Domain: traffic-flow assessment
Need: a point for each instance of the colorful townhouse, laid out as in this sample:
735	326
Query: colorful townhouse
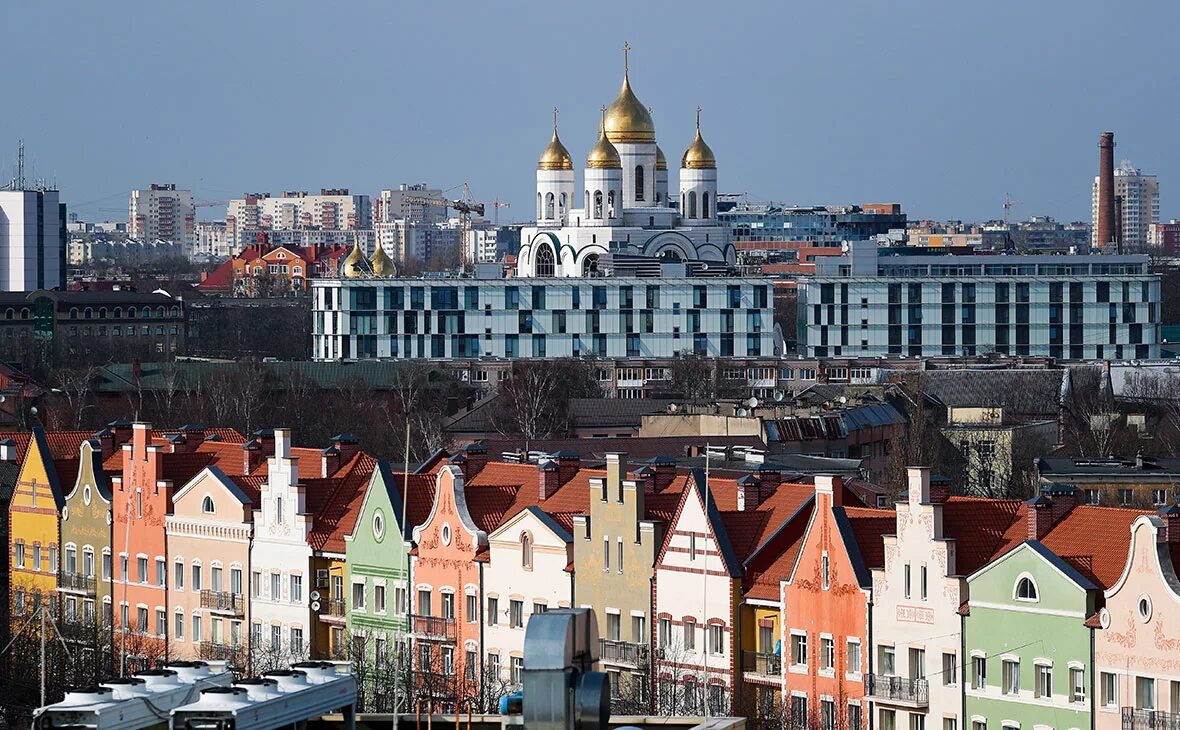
1137	652
1032	621
85	575
702	627
209	532
377	557
9	473
48	467
916	680
826	601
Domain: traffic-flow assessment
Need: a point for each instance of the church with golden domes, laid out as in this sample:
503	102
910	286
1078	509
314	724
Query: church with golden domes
624	212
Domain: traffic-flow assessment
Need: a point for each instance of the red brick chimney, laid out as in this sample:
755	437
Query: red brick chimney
194	433
1040	517
122	431
348	445
830	486
329	461
1171	518
568	464
266	439
252	456
665	471
646	479
477	459
1064	498
940	489
770	476
106	441
548	478
461	462
1106	233
749	495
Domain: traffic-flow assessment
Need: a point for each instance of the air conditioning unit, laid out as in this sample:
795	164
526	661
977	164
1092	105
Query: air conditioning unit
321	578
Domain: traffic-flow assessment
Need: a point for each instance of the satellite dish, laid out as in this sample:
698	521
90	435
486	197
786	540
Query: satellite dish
779	395
742	412
315	595
752	403
315	605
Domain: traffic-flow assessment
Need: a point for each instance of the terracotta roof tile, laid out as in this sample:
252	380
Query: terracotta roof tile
983	529
1094	541
868	527
339	514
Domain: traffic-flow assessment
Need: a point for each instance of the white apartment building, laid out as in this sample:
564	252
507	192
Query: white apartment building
32	240
409	240
334	209
483	245
123	252
211	241
1137	204
162	212
402	204
879	303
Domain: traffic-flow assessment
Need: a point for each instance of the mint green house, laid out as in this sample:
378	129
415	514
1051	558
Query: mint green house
1028	643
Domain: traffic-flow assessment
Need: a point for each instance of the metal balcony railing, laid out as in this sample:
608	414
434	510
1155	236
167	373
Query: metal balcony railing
334	607
899	689
623	652
1138	719
78	582
756	662
432	627
223	601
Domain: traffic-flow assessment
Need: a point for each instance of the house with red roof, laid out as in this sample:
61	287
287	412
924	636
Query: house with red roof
282	268
826	611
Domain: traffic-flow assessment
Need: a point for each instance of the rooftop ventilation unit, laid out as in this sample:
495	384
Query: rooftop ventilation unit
277	699
137	702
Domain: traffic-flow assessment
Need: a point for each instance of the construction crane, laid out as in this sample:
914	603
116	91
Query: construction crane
1009	204
464	206
496	206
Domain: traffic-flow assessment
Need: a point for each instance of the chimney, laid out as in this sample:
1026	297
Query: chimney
122	430
282	443
178	443
1040	517
106	441
646	478
568	464
251	456
477	459
195	434
1106	232
665	469
348	445
770	476
1064	498
940	489
329	461
266	439
460	462
748	493
7	450
548	478
832	486
1171	518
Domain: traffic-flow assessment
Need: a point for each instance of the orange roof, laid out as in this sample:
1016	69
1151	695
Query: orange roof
1094	541
339	512
869	526
983	529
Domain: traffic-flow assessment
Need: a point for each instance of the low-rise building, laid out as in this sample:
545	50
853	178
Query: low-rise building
274	270
997	451
1115	481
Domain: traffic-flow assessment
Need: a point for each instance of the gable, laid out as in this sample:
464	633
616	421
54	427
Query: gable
533	520
1059	587
38	472
380	511
449	511
210	483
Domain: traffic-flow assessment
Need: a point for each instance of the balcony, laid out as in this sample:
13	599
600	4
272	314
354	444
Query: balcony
219	651
761	664
223	602
77	583
432	627
623	652
899	690
1136	719
334	607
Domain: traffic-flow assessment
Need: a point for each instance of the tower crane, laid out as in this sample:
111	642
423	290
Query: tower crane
496	206
1009	204
464	206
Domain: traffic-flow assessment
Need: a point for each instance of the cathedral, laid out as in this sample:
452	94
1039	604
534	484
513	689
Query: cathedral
626	213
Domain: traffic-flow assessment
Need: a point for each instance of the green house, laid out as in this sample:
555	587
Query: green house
1028	639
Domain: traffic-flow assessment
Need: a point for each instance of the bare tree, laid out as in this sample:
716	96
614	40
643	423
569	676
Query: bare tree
533	401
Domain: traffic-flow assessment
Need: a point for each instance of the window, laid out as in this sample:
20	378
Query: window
950	669
471	608
665	632
619	554
178	626
1026	590
690	635
196	577
517	669
297	640
378	598
1044	681
613	626
606	553
526	551
358	596
448	656
825	570
297	589
827	714
854	718
799	650
540	608
716	639
639	182
1011	677
20	555
978	672
516	614
106	566
1077	684
888	720
922	587
917	663
142	620
827	653
799	712
141	570
494	666
1144	693
276	586
906	581
448	606
493	611
1126	496
950	723
196	629
917	721
207	505
854	656
1110	689
178	580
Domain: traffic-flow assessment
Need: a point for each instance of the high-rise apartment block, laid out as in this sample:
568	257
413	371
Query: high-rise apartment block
162	212
405	203
1136	208
32	240
333	209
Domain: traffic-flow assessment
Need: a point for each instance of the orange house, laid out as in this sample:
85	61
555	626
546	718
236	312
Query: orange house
825	635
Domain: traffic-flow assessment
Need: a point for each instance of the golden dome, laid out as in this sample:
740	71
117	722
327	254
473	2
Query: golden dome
555	156
698	156
381	264
627	120
661	161
603	155
352	263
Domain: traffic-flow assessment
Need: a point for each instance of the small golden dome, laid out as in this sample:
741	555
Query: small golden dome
698	156
661	161
555	156
352	264
603	155
381	264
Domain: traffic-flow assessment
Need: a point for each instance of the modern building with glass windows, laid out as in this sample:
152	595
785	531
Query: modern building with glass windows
874	302
374	317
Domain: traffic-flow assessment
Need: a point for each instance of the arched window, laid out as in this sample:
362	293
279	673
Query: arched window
587	206
87	313
683	207
207	505
539	206
639	182
692	204
1026	590
526	551
543	264
549	206
561	208
147	312
590	265
610	203
102	312
704	205
73	312
597	203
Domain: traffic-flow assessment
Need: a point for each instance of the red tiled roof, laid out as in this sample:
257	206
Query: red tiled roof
868	528
781	552
338	515
1094	541
982	529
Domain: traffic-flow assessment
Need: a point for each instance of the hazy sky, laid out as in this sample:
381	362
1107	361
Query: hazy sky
941	106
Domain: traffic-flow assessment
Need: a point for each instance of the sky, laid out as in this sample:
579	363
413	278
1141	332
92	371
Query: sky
941	106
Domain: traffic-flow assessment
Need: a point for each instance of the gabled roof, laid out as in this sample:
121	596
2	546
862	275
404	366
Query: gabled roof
983	529
862	531
772	561
1094	541
339	512
1020	392
703	491
545	519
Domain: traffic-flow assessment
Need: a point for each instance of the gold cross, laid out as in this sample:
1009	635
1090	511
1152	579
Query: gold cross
626	49
554	120
698	117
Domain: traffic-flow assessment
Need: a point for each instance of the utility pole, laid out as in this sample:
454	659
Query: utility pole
41	610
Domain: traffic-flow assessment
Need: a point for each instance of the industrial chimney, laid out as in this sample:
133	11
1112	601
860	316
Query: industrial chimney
1106	231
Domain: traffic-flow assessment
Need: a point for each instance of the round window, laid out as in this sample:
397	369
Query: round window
65	513
446	534
86	494
378	526
1144	608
